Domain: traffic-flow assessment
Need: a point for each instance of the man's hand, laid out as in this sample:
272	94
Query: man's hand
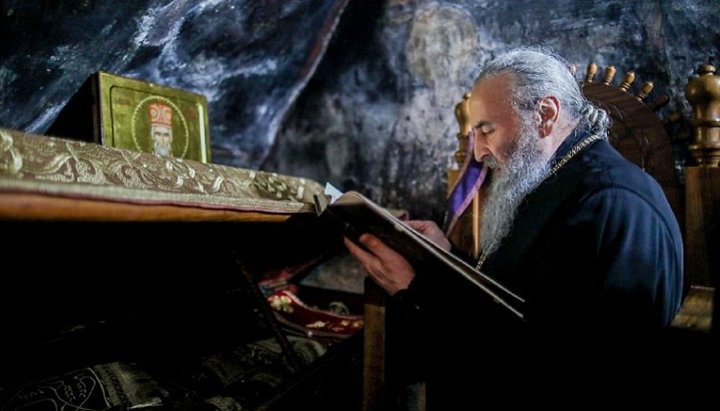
387	268
431	231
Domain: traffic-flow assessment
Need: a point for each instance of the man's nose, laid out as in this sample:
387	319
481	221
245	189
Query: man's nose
480	149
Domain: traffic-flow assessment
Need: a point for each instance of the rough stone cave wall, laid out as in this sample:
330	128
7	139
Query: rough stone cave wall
376	114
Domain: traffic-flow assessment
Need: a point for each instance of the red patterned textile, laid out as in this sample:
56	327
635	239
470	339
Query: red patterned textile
310	321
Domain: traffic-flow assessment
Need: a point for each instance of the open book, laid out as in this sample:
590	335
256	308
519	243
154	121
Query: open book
357	214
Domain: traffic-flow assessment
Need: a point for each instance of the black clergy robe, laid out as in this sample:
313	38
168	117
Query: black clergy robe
595	245
597	254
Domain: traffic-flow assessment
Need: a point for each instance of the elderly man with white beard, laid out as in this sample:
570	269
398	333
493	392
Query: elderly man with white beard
584	236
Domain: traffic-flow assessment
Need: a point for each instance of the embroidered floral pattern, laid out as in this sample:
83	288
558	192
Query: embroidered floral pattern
57	166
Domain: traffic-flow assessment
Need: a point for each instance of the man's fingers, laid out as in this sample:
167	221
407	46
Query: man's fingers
362	255
370	262
368	259
419	225
377	247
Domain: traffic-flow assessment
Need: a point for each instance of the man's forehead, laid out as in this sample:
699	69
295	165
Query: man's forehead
491	94
493	85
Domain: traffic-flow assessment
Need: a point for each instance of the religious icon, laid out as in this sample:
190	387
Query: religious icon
137	115
154	118
157	125
161	128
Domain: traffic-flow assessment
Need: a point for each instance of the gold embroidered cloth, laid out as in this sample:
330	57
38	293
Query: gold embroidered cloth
38	164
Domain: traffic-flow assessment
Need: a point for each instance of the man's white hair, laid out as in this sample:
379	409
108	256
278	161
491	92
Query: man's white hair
539	72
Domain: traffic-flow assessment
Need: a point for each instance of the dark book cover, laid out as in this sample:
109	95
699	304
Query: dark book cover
357	214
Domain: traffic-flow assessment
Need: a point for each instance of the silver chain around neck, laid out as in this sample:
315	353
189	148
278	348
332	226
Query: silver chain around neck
578	147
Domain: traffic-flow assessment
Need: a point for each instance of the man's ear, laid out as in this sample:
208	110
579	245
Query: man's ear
549	114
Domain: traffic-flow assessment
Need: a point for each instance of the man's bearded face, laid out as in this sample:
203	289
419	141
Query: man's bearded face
162	140
513	180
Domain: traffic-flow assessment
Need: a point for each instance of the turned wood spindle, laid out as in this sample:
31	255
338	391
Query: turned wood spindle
645	90
703	94
660	102
462	114
627	81
592	69
609	75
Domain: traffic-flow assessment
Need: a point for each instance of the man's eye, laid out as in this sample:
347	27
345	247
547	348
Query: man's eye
486	129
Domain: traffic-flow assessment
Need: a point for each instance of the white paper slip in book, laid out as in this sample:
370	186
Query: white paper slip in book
332	192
